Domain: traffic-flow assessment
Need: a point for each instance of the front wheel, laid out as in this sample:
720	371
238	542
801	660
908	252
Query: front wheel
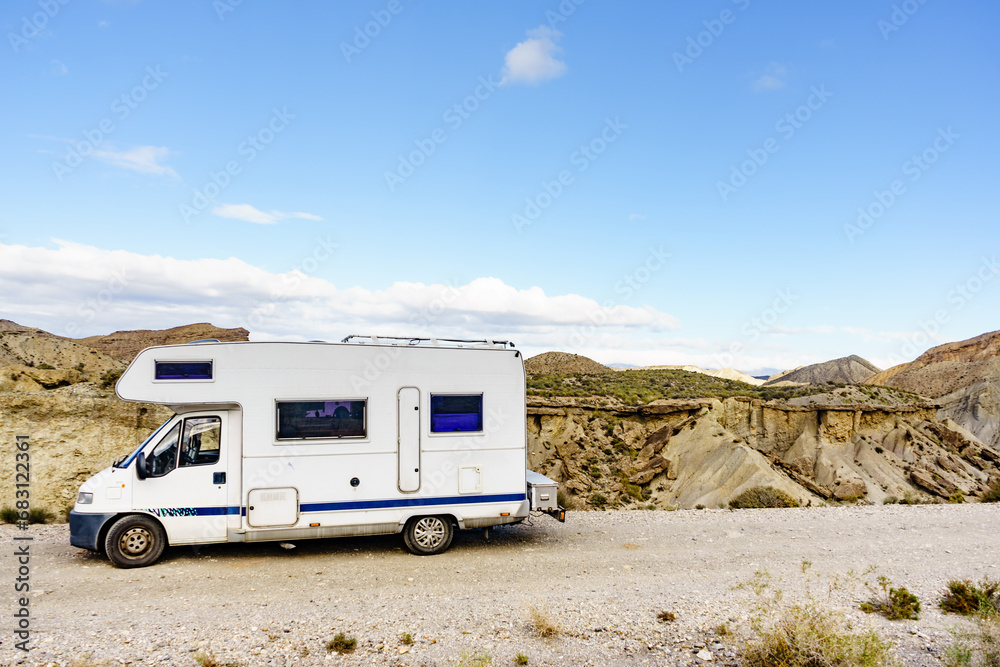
135	541
428	535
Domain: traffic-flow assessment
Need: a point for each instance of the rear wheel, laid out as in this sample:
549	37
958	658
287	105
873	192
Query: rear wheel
428	535
135	541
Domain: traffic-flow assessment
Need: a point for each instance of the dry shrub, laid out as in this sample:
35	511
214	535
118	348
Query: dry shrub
807	636
965	597
763	496
541	624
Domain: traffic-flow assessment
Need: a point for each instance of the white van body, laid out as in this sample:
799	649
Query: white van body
284	441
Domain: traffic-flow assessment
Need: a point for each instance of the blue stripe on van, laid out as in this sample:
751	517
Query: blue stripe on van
353	505
410	502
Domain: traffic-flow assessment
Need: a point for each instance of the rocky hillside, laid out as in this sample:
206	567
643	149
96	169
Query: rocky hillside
684	453
964	377
60	393
850	370
563	362
124	345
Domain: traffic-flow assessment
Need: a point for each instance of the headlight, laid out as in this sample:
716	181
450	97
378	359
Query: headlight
84	498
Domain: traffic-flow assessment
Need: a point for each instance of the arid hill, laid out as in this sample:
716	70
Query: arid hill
964	377
849	370
124	345
563	363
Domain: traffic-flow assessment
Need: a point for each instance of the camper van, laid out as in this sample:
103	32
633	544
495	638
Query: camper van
287	441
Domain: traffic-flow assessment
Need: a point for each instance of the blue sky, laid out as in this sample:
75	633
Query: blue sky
646	184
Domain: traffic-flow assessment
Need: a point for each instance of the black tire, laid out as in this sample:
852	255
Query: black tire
428	535
135	540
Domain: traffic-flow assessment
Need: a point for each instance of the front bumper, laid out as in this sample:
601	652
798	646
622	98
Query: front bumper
85	529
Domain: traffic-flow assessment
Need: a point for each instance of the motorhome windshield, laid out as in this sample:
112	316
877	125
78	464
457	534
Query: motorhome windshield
124	461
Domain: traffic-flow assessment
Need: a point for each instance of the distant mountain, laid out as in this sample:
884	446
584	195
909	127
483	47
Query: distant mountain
563	363
850	370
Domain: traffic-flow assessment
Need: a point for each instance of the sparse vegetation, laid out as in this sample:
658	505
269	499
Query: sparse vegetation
521	659
541	624
896	604
209	660
598	500
341	643
405	638
666	617
966	598
806	635
9	515
45	367
40	515
979	647
763	496
109	378
993	495
637	387
475	659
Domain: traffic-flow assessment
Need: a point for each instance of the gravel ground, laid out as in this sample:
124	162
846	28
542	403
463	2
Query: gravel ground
602	577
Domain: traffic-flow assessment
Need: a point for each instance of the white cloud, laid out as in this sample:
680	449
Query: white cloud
144	159
637	216
78	290
58	68
248	213
534	60
771	79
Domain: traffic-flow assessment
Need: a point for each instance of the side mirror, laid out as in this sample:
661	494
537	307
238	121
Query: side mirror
140	466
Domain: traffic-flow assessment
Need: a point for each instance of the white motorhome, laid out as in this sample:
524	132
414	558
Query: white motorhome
285	441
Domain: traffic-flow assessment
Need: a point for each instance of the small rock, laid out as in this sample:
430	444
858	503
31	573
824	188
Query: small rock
705	655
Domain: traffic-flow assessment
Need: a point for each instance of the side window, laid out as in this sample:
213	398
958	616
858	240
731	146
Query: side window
163	458
200	444
305	420
456	412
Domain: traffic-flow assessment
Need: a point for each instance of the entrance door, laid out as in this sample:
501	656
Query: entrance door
186	485
408	439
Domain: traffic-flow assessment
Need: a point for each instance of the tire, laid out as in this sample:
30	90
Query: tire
428	535
135	540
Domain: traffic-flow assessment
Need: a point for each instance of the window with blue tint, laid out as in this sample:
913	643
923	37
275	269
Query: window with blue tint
306	420
183	370
456	412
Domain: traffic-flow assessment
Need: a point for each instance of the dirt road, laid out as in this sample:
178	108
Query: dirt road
602	577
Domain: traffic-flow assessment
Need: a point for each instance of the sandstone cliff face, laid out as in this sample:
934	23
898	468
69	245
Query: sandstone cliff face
679	453
964	377
74	432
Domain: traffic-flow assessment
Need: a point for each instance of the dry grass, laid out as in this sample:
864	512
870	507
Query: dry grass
541	624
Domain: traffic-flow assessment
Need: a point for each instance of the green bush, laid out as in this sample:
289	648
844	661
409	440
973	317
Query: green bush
965	597
45	367
763	496
109	378
993	495
598	500
896	604
40	515
9	515
342	643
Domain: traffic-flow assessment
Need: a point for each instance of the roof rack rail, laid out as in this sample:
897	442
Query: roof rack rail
364	339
